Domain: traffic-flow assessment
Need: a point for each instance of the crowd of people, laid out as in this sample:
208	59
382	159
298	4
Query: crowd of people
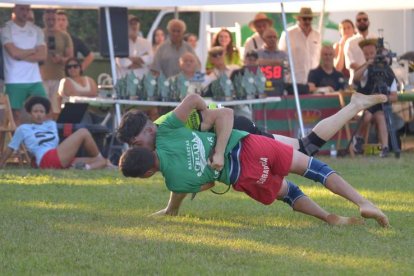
41	70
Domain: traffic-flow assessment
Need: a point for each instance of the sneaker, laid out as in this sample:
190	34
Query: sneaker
357	144
384	152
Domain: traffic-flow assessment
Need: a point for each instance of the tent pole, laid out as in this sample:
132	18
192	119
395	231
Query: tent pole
112	59
321	18
292	72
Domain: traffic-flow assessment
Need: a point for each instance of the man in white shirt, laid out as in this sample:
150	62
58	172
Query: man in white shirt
354	57
23	48
140	52
305	45
259	24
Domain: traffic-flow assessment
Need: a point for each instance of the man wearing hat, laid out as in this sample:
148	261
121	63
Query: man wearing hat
259	24
354	57
140	52
305	45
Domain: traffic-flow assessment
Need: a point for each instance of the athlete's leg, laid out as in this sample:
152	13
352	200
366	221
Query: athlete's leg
316	170
69	147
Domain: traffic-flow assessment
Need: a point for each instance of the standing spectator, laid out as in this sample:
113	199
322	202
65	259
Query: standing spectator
306	45
224	39
325	77
269	54
140	52
60	49
166	60
78	45
191	39
367	85
354	57
346	30
259	24
158	37
24	47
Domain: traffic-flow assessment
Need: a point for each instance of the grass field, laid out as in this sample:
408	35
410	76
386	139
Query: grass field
78	222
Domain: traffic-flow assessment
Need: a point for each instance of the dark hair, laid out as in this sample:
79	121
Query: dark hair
37	100
188	35
77	61
230	48
252	53
135	162
347	21
132	123
155	33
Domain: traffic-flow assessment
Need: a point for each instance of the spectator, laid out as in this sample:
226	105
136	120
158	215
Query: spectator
79	47
216	55
24	47
231	54
158	37
269	54
325	78
60	49
42	140
250	62
166	60
306	45
75	83
354	57
367	85
191	39
259	24
140	52
346	30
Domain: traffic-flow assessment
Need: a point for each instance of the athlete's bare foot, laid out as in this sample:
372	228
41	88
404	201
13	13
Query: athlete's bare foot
365	101
369	210
333	219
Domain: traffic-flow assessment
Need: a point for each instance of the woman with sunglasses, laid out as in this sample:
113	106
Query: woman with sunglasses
224	39
75	83
41	139
346	30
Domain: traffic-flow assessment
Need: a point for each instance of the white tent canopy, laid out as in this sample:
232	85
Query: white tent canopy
227	5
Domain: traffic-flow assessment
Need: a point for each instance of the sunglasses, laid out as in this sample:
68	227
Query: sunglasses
72	66
307	18
362	19
214	55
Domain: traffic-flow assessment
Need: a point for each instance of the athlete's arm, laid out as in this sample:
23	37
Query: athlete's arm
190	102
175	201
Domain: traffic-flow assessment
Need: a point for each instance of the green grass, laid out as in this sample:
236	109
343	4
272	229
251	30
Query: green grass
78	222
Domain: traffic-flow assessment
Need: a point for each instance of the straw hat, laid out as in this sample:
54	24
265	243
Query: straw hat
260	17
366	42
305	13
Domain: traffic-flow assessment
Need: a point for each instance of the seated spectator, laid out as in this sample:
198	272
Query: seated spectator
269	54
158	37
191	39
346	30
325	78
217	58
250	62
42	140
166	60
75	83
140	52
224	39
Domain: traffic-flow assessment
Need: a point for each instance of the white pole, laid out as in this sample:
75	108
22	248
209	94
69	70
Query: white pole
322	16
112	59
292	72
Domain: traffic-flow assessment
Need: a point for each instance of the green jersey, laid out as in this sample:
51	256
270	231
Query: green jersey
183	154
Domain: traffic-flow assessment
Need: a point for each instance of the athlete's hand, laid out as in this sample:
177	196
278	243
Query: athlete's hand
216	161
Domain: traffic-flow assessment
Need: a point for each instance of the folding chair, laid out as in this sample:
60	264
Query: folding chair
7	128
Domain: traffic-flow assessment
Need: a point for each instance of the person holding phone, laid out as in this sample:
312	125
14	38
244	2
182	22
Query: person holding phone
60	49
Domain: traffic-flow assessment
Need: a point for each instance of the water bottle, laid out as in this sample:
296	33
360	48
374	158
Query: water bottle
333	151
